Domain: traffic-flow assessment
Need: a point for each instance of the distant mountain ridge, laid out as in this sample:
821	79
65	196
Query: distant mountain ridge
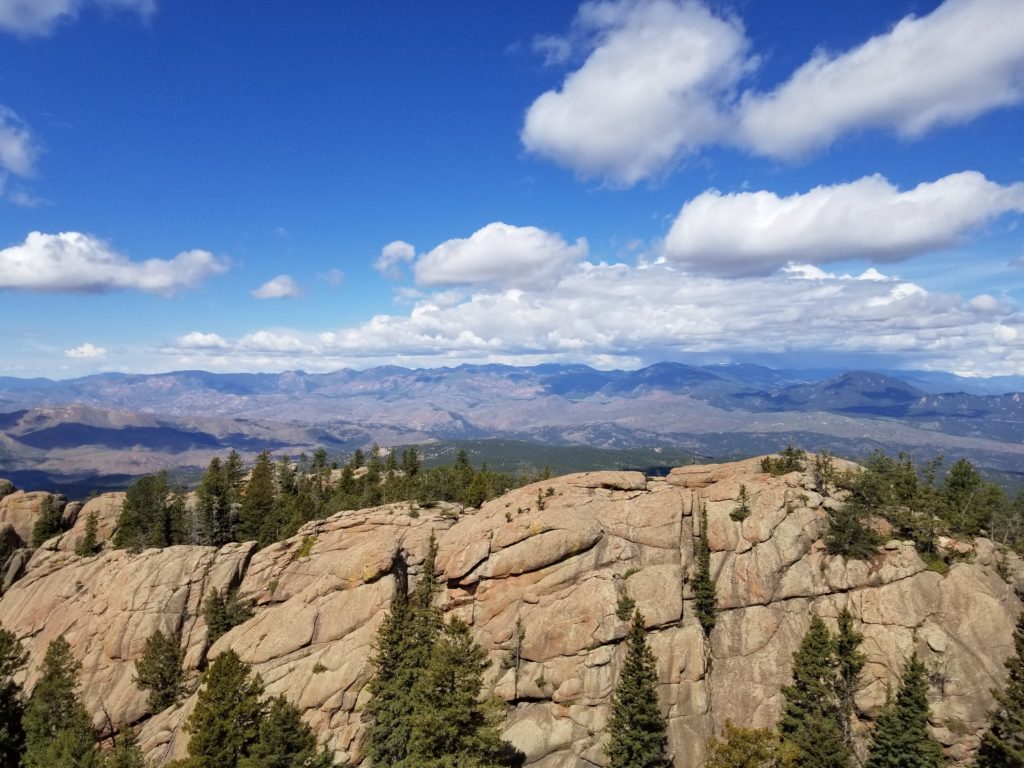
124	424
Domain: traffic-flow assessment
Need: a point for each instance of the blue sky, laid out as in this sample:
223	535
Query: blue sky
269	186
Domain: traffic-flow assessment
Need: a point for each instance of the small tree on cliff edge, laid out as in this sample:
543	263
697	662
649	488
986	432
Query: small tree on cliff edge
705	599
1002	746
12	704
637	733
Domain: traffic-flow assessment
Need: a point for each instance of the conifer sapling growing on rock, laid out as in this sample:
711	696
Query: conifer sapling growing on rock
159	671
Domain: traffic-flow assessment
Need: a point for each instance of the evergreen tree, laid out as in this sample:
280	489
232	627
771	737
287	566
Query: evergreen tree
12	705
849	664
222	611
1002	746
50	521
637	736
152	515
259	500
403	646
58	730
213	502
745	748
159	671
125	752
847	534
900	738
234	477
87	545
284	740
450	728
741	511
705	599
226	720
811	722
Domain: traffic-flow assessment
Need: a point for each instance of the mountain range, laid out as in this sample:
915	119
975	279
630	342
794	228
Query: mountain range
106	428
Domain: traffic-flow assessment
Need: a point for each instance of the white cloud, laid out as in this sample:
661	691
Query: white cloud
199	340
392	257
40	17
618	313
663	79
963	59
18	150
86	351
749	233
72	261
333	277
280	287
649	91
500	254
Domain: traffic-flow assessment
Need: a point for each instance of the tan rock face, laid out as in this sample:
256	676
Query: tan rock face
559	556
21	509
106	507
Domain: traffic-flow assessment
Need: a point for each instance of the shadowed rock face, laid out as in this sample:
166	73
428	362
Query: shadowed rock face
557	555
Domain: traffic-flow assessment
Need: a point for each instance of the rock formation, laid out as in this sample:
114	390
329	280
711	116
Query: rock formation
559	555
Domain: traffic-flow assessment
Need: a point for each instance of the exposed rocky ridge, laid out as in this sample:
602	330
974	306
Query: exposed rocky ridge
557	555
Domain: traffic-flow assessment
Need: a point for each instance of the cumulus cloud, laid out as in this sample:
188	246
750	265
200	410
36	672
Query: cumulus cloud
618	313
199	340
500	254
392	257
650	90
41	17
963	59
72	261
663	78
749	233
86	351
280	287
18	150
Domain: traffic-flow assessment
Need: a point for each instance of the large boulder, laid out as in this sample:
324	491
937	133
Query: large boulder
558	556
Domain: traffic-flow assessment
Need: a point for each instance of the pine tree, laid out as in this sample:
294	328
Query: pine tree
450	727
284	740
705	599
87	545
900	738
234	477
637	736
152	515
213	502
222	611
849	664
811	722
741	511
258	503
847	533
125	752
226	720
12	705
159	671
50	521
58	730
1002	746
405	640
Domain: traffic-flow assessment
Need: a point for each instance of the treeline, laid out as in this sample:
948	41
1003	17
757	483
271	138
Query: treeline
271	500
921	502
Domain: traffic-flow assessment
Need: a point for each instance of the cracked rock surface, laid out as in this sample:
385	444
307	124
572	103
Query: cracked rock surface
559	555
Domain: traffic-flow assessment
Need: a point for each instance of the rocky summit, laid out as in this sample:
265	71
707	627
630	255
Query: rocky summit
561	557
